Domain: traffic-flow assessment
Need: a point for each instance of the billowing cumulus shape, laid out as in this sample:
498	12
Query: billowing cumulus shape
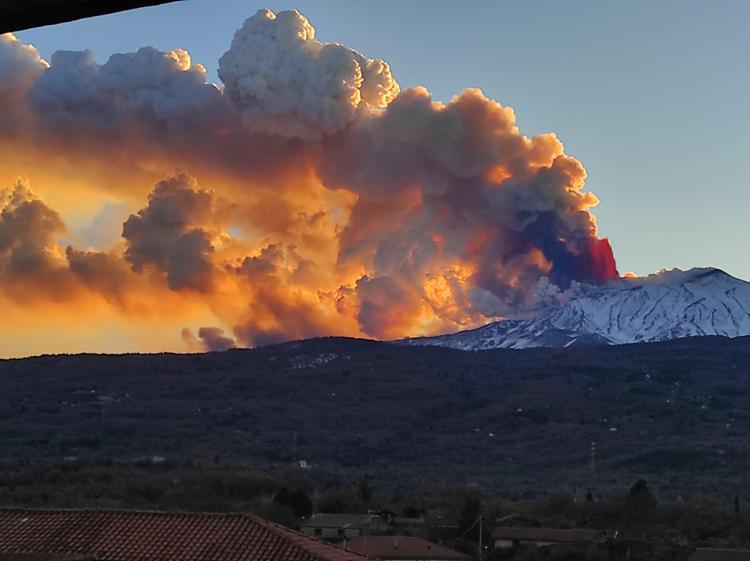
147	88
338	204
27	231
211	339
20	67
383	303
457	204
286	82
190	264
20	64
167	234
105	274
282	307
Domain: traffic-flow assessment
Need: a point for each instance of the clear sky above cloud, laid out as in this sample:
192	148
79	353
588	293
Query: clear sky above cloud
650	96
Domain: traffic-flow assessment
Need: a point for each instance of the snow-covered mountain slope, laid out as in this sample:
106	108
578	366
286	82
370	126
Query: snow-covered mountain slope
666	305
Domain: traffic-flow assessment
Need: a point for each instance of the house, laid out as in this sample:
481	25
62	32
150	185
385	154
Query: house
338	527
517	520
407	524
403	548
508	537
711	554
121	535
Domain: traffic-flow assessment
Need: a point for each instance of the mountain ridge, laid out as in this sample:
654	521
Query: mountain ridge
676	413
666	305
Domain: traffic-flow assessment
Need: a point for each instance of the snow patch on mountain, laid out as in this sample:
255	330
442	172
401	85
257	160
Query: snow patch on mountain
666	305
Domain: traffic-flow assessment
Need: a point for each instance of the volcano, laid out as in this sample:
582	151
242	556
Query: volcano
666	305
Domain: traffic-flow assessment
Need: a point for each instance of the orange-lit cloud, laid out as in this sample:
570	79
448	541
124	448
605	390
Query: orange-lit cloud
308	196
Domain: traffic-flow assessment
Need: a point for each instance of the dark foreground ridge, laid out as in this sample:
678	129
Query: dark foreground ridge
519	422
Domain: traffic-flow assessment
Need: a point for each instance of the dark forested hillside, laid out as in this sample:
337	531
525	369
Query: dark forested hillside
514	422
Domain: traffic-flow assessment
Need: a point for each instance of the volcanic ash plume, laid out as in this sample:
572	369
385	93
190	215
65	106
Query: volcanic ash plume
308	196
170	234
286	82
210	339
27	232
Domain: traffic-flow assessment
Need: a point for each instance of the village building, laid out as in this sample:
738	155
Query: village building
120	535
339	527
408	525
714	554
404	548
517	520
508	537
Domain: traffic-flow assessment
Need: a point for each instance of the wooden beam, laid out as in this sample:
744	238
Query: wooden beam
16	15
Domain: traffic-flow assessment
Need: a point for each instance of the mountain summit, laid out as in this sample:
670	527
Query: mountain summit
665	305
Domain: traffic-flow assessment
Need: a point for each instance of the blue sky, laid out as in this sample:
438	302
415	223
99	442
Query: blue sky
650	96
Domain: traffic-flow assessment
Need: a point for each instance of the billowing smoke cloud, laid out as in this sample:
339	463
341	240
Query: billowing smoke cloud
384	302
20	64
211	339
277	282
286	82
356	208
20	67
457	195
169	234
149	88
28	252
105	274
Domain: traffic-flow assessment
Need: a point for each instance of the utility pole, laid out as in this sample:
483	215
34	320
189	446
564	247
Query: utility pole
479	545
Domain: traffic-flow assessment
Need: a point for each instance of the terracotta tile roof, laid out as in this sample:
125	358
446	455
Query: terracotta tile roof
516	519
119	535
323	520
403	547
42	557
557	535
709	554
407	521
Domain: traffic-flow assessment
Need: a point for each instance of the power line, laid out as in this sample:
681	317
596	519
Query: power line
469	529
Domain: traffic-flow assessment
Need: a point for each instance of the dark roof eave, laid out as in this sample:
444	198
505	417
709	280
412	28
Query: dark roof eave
17	15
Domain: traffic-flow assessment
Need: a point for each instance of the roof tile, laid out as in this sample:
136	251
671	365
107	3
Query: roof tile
559	535
711	554
404	547
118	535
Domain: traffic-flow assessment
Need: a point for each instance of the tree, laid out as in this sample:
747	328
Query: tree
640	490
411	511
641	502
365	490
300	503
282	496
